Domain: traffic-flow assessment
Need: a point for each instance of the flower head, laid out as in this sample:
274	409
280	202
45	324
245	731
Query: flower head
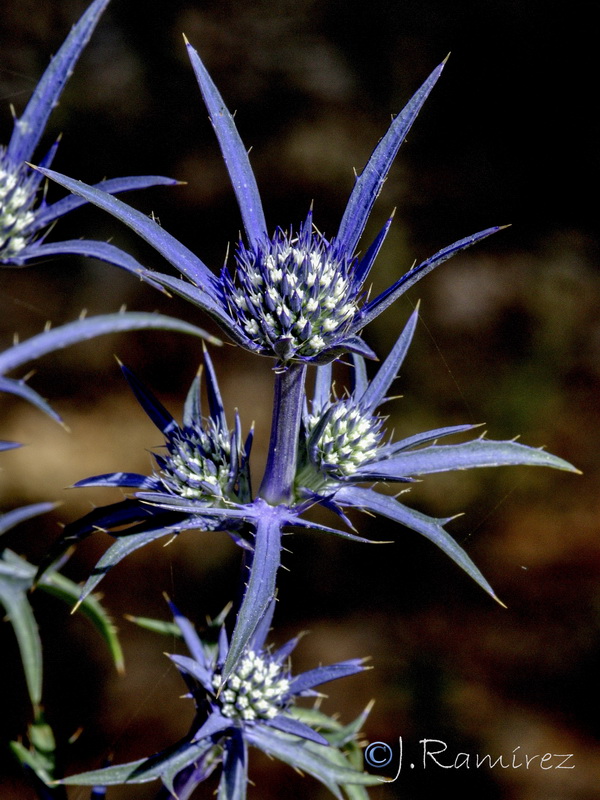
296	295
342	446
25	216
255	706
17	195
343	438
201	480
203	460
293	295
255	690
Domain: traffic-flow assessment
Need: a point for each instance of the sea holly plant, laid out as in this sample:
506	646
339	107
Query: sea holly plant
25	216
201	482
301	298
256	706
297	297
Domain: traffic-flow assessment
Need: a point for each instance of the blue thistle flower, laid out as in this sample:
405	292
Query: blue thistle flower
25	217
204	460
295	296
343	445
204	471
254	706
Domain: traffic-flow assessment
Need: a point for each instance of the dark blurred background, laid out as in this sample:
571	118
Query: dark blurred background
509	336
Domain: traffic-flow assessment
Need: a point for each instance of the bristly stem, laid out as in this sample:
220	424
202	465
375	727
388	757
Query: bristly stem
277	484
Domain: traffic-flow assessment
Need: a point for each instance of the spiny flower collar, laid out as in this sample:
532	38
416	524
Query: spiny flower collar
205	462
201	480
25	216
342	446
260	690
294	296
254	707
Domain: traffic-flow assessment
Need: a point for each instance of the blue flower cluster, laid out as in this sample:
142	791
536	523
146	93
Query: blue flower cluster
295	296
255	706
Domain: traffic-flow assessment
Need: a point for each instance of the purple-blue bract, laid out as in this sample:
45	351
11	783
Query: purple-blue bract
25	216
342	446
81	330
295	296
254	706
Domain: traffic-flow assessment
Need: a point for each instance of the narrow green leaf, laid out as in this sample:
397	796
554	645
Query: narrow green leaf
68	591
31	759
20	615
165	627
